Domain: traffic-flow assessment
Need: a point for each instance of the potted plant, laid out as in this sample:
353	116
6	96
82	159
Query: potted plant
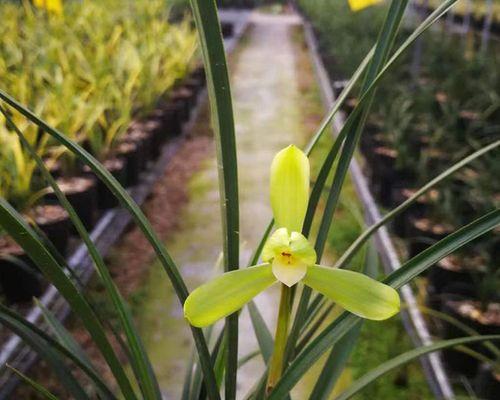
22	188
479	309
20	281
487	382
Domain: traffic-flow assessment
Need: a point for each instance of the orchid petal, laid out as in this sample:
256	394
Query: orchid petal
355	292
290	188
302	249
278	242
226	294
286	273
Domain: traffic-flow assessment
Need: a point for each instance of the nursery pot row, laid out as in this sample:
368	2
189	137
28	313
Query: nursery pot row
20	280
451	284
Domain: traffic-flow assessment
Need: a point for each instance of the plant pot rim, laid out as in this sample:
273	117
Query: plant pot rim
9	247
431	195
44	214
75	184
126	147
471	309
427	224
455	263
387	151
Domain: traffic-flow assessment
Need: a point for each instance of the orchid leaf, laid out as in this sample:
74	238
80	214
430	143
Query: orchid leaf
38	388
226	294
355	292
290	188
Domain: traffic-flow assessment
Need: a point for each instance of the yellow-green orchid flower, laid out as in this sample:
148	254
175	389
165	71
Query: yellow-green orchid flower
288	257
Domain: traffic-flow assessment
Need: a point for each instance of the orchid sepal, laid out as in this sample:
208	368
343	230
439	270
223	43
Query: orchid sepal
289	188
355	292
226	294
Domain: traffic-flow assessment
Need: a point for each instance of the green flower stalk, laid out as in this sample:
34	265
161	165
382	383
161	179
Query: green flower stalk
288	257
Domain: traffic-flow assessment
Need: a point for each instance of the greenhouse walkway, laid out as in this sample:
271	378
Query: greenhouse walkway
268	117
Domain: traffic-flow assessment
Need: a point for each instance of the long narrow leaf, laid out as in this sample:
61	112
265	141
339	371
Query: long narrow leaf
53	359
356	245
432	18
34	385
63	335
325	123
212	46
21	232
139	359
404	358
127	202
382	48
20	326
460	325
264	337
188	378
350	131
335	364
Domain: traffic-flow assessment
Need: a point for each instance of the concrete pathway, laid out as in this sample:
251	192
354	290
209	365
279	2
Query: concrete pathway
267	113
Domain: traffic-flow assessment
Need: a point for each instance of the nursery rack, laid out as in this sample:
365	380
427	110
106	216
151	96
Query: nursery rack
107	232
413	320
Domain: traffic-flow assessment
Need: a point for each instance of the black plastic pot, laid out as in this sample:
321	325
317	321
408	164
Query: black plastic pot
402	225
172	118
185	99
54	167
349	105
384	177
227	29
487	383
195	84
158	136
372	139
436	159
425	232
105	198
338	87
467	119
455	269
199	73
144	142
452	291
370	143
440	103
81	192
456	361
132	156
19	279
466	312
54	222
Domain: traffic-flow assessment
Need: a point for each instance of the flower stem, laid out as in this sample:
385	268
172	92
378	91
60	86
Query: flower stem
276	366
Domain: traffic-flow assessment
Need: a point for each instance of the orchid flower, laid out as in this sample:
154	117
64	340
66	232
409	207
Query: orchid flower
288	257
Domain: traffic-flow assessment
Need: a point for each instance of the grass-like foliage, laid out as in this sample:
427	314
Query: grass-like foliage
290	251
92	69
